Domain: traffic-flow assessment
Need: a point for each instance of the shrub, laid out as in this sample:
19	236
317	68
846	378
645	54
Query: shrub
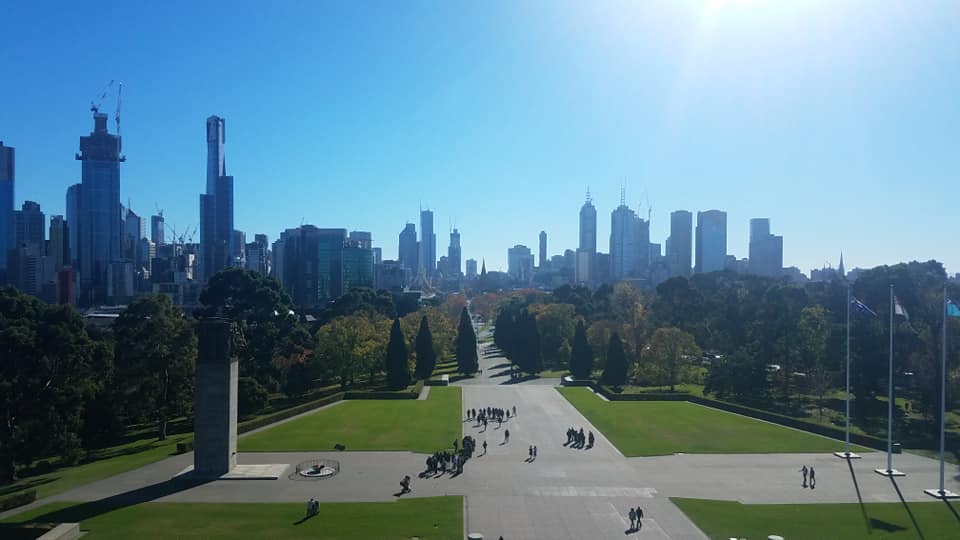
251	396
18	499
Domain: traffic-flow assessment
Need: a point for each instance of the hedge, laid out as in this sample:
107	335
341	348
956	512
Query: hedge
19	498
759	414
387	394
256	423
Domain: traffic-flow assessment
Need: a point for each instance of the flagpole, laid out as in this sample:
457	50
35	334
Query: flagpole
890	471
846	447
943	383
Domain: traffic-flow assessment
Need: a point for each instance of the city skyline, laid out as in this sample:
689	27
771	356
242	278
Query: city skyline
826	169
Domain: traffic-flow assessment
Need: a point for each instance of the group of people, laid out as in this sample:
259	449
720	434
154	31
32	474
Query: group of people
636	515
490	414
313	507
811	474
576	439
533	453
445	460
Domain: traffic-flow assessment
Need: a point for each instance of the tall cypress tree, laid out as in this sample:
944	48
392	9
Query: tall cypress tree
581	357
398	371
466	346
531	332
615	373
426	357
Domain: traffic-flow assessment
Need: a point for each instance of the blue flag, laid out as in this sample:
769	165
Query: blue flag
861	307
953	310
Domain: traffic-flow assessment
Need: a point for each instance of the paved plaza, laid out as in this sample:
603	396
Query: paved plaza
564	494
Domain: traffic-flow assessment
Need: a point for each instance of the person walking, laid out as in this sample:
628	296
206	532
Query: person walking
813	478
484	446
804	471
530	451
405	485
534	451
633	518
514	410
506	436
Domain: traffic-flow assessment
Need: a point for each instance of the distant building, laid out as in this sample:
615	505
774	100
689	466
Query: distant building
258	255
711	241
428	243
391	275
29	226
629	244
357	261
156	229
73	221
766	250
453	267
733	264
587	252
471	268
408	252
679	245
794	275
59	248
216	205
308	261
7	180
520	263
239	246
543	249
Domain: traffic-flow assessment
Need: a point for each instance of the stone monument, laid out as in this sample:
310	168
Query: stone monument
215	400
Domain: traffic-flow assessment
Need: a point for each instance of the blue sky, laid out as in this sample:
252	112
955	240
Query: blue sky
838	120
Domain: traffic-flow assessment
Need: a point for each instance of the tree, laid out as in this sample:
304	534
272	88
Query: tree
670	349
426	357
398	368
556	325
156	353
615	372
45	372
466	346
348	347
265	314
252	397
581	358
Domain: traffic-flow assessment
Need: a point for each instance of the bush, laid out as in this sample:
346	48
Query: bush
184	447
406	393
252	397
18	499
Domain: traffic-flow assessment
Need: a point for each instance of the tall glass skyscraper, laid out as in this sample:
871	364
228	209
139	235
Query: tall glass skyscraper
453	254
6	204
216	204
408	250
680	248
711	241
428	243
100	230
586	258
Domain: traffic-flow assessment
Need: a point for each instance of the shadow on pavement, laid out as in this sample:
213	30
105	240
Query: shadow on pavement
88	510
863	509
907	508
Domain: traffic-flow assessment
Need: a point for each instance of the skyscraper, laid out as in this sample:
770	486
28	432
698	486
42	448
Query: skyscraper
73	221
408	250
711	241
623	242
309	262
59	242
471	268
520	263
543	249
29	225
216	205
7	178
680	244
156	229
428	243
587	252
453	255
358	260
100	230
766	250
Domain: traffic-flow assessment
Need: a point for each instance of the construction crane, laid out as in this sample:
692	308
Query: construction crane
116	117
190	234
97	101
159	210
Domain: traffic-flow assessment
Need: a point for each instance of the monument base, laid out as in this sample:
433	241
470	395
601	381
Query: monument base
889	472
846	455
243	472
945	494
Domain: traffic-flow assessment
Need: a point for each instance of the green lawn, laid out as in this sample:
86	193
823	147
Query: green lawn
424	518
650	428
721	520
418	426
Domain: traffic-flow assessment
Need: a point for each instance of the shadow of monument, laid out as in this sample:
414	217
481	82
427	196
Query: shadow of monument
518	380
88	510
501	365
885	525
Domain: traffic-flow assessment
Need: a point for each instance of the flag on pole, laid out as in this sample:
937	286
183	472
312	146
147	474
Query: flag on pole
953	310
899	310
861	307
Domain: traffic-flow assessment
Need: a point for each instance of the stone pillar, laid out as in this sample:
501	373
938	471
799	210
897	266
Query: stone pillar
215	403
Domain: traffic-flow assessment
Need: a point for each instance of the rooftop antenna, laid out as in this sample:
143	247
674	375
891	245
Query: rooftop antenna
623	195
588	193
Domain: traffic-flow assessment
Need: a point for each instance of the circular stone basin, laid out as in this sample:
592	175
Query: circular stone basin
318	472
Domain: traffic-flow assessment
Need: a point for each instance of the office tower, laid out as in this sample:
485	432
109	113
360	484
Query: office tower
133	231
358	260
7	178
239	244
408	250
629	243
73	222
471	268
377	255
711	241
453	266
156	229
28	226
428	243
216	205
766	250
59	251
543	249
680	243
100	228
520	263
25	259
587	252
258	255
309	264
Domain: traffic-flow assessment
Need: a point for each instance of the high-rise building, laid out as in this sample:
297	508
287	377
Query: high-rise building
453	255
216	204
239	243
543	249
100	228
258	255
711	241
408	250
471	268
629	243
520	263
59	251
766	250
73	221
680	243
358	261
7	179
428	243
156	229
29	225
587	252
309	263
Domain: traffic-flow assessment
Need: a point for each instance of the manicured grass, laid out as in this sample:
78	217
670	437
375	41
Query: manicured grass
425	518
650	428
873	521
419	426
